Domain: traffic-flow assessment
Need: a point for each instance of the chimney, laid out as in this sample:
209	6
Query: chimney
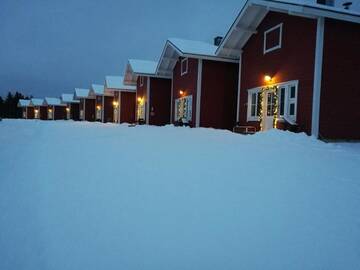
217	40
326	2
347	5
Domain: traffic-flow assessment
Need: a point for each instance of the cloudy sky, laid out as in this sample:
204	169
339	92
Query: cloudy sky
49	47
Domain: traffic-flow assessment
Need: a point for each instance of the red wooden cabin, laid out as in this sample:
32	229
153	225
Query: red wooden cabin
72	107
27	109
124	101
298	67
153	92
103	103
55	109
87	104
204	86
40	110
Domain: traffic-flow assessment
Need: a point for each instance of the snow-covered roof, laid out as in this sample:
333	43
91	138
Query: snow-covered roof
175	48
24	103
136	67
193	46
117	83
143	66
50	101
37	102
68	98
97	89
254	11
81	93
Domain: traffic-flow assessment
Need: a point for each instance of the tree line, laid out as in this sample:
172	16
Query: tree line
9	105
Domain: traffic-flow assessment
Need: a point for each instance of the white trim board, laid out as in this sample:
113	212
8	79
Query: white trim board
315	119
198	94
239	91
147	106
265	51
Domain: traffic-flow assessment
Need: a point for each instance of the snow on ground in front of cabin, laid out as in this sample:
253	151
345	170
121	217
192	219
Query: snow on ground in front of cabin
104	196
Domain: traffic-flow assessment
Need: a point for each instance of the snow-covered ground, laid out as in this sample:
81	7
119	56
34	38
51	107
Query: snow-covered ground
103	196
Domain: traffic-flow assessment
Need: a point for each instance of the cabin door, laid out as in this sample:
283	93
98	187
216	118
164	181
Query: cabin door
268	110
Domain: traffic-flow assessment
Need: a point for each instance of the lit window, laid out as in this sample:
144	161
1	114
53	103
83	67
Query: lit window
287	102
183	109
184	66
272	38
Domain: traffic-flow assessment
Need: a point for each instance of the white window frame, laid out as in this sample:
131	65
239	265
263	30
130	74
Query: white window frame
250	93
280	25
141	80
186	61
188	112
287	101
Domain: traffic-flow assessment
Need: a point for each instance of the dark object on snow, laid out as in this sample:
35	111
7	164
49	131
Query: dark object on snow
286	125
246	130
180	123
141	121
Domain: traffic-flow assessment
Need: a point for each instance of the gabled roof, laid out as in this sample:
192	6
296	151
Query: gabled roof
254	11
24	103
136	67
97	89
175	48
81	93
36	102
68	98
117	83
49	101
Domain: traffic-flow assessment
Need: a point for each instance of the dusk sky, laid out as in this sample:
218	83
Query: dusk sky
49	47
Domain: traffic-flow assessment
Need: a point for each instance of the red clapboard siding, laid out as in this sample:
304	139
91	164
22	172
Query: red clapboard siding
30	113
43	113
59	112
127	107
340	92
160	101
90	110
219	94
75	111
108	109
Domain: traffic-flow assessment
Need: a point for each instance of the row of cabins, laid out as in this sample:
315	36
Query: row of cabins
112	102
282	64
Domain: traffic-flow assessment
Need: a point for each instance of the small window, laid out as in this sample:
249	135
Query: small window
292	91
254	106
282	101
272	38
270	104
292	101
184	66
141	80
